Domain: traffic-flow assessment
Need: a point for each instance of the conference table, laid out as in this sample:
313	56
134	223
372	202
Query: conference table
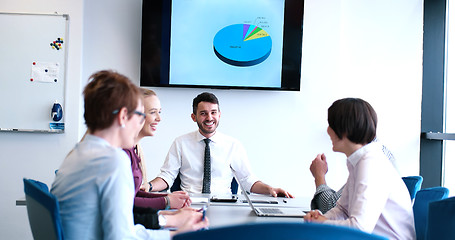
232	213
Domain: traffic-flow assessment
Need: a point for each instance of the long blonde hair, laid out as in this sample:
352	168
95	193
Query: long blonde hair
146	93
142	164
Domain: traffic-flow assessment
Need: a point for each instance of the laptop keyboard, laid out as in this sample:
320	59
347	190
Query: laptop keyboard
270	210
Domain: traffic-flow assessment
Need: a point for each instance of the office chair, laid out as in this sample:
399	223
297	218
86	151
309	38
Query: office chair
422	200
177	182
441	220
176	185
414	183
43	211
279	230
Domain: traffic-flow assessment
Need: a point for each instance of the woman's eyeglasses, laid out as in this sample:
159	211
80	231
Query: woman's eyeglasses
135	112
141	114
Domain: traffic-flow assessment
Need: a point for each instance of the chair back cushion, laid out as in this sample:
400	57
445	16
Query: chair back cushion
422	200
413	183
441	220
43	211
176	185
279	230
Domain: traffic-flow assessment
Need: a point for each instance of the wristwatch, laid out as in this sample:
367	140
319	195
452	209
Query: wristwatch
168	202
161	220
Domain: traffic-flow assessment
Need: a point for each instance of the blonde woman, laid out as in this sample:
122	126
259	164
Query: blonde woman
146	203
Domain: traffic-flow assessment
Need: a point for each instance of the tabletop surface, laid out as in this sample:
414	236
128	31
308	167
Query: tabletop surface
228	213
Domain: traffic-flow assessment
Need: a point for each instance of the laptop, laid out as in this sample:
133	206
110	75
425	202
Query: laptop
271	211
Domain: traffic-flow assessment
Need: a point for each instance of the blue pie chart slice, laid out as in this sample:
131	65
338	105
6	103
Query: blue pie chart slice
242	45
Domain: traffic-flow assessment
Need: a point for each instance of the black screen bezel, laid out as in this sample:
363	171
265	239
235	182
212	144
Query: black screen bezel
156	39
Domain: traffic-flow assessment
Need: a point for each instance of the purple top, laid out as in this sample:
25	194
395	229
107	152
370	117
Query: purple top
142	198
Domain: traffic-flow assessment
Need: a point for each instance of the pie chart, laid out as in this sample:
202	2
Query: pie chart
242	45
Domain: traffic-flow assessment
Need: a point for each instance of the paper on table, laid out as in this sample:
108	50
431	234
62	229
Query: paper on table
199	199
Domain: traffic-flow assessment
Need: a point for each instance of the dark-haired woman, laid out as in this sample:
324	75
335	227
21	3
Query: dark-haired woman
375	199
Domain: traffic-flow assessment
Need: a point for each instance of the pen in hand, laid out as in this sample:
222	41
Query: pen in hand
203	210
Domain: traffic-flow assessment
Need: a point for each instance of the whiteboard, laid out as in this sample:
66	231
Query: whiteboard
32	70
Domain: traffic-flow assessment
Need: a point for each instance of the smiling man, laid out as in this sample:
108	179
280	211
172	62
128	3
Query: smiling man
204	158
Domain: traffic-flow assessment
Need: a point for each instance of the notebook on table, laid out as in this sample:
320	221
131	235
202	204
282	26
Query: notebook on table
270	211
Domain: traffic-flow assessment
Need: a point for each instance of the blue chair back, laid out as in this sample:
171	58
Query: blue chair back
43	211
421	203
414	183
441	220
279	230
176	185
177	182
234	186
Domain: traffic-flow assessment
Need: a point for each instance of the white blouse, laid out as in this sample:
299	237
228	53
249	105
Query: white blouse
375	199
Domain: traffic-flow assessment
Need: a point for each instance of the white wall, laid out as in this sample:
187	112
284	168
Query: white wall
352	48
355	48
38	155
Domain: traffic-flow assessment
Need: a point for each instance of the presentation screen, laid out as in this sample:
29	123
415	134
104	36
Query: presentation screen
238	44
